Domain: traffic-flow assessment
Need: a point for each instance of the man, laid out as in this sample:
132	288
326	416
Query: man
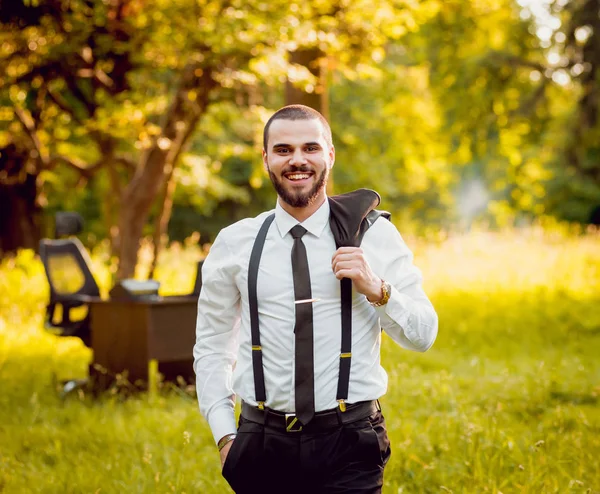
269	329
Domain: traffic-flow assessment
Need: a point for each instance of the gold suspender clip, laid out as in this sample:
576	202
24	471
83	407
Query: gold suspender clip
342	402
260	404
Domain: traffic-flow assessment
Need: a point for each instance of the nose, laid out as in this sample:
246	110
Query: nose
297	157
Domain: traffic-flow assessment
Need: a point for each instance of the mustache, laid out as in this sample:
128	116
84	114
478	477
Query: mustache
297	169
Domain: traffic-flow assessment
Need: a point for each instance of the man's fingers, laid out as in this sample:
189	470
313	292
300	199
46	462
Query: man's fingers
345	257
347	251
350	262
346	273
345	265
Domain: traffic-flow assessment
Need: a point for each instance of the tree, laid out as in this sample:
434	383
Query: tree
101	67
518	92
114	92
59	66
574	188
20	222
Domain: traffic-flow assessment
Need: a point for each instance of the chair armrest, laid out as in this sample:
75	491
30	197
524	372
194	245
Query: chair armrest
67	302
85	299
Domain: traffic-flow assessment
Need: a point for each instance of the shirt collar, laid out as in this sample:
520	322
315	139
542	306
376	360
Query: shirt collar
314	224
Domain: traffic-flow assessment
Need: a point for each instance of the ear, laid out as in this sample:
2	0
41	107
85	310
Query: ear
331	156
265	164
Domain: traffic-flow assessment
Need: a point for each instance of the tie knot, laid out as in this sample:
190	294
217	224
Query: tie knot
298	231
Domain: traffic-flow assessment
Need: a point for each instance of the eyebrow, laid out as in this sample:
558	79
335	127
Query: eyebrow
282	145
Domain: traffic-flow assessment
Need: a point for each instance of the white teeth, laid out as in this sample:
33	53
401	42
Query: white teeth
298	176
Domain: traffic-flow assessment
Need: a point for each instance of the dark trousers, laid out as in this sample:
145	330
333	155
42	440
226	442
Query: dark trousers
349	458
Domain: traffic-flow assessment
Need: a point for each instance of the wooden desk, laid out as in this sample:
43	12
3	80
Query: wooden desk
127	334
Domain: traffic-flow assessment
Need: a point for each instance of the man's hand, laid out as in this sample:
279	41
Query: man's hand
350	262
224	452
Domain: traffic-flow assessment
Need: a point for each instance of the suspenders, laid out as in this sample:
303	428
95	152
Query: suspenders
257	362
346	351
346	313
346	297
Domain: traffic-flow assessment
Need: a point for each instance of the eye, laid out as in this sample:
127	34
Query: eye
282	150
312	148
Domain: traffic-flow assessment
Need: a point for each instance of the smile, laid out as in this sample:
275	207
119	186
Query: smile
298	176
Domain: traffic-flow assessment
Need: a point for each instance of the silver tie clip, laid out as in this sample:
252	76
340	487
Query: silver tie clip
307	300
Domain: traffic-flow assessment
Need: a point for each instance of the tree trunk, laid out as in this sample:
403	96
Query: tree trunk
20	216
313	59
156	164
20	221
111	207
162	221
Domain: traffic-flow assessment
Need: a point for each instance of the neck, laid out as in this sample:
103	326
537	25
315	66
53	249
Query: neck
302	214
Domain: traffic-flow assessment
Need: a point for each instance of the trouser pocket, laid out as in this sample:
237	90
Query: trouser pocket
377	422
243	464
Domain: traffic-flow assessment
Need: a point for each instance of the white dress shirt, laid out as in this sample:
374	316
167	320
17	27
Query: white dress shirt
222	354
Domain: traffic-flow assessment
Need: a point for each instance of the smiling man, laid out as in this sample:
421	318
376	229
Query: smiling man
290	319
298	166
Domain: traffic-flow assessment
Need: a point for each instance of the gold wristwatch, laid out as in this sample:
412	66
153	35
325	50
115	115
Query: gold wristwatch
386	289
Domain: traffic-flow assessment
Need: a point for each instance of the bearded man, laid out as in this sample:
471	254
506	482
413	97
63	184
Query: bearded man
290	317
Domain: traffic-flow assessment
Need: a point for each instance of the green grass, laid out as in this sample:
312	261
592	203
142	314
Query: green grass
506	401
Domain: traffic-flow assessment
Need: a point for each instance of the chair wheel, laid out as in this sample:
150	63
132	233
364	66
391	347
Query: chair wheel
72	385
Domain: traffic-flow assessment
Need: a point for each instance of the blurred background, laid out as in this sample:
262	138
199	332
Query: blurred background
146	117
477	121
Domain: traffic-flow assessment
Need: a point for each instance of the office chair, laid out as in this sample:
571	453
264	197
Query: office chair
66	263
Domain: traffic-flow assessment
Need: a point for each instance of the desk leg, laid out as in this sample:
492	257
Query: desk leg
119	343
183	368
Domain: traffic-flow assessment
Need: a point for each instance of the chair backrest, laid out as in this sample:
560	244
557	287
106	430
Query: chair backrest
67	223
67	266
198	282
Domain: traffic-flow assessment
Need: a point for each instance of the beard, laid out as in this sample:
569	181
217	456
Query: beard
300	199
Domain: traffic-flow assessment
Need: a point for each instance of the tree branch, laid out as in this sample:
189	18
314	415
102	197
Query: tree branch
30	130
80	166
516	60
528	105
104	79
74	163
64	106
129	163
79	94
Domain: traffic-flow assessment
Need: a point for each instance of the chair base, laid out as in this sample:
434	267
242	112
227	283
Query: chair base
178	373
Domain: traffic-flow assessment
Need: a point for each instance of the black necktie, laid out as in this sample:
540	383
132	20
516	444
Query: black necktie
305	387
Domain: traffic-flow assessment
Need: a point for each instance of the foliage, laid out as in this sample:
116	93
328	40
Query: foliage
505	401
391	145
456	112
516	85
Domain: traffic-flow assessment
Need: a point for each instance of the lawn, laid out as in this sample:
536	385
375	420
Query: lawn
507	400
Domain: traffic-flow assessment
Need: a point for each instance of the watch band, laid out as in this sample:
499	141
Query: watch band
224	440
386	289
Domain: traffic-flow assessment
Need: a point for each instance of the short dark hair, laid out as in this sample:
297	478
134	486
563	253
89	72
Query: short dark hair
297	112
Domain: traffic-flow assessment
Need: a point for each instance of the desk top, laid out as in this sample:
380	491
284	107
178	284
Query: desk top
154	300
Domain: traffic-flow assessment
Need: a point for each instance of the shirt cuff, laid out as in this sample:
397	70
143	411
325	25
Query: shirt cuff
395	311
222	422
